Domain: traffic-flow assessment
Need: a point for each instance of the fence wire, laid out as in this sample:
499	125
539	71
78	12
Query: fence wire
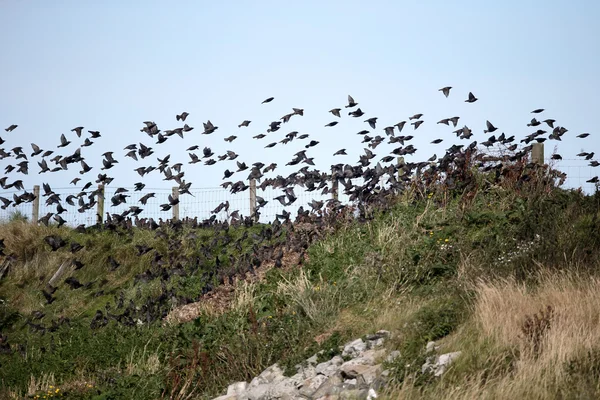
202	203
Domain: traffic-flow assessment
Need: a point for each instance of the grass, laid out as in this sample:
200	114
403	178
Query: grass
472	267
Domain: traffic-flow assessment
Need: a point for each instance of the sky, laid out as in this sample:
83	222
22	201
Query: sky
111	65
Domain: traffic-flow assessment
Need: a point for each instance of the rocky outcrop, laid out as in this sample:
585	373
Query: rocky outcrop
357	373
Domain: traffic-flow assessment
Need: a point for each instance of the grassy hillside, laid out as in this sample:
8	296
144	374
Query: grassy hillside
503	268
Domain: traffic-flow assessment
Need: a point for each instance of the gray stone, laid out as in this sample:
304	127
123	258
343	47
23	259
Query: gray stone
311	385
227	397
237	388
353	349
330	367
312	360
272	374
437	365
332	386
369	376
445	360
430	347
378	335
369	357
349	384
371	344
354	394
392	356
351	371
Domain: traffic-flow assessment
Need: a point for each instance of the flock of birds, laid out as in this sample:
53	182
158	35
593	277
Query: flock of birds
310	179
377	178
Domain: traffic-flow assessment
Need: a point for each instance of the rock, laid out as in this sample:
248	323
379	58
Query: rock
358	378
311	385
369	376
332	386
354	348
272	374
312	360
237	388
378	335
227	397
349	384
354	394
369	357
330	367
350	370
392	356
445	360
306	372
431	347
437	365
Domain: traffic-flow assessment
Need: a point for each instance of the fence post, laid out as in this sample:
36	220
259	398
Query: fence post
335	185
100	204
35	213
253	199
175	193
401	165
537	153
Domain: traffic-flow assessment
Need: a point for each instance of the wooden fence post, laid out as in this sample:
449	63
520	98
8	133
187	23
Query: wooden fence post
335	185
401	165
100	204
35	212
253	199
537	153
175	194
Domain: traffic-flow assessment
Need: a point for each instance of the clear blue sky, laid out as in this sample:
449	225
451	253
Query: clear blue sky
110	65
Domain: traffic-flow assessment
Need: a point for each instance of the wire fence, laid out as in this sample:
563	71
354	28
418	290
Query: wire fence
80	208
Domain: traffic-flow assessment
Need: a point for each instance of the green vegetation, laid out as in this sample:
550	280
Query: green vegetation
473	268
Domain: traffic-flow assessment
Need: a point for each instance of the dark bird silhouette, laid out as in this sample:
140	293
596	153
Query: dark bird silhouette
583	135
11	128
77	130
244	123
270	99
336	112
55	242
372	121
417	124
333	123
351	102
63	141
490	127
356	113
182	116
445	90
73	283
537	111
471	99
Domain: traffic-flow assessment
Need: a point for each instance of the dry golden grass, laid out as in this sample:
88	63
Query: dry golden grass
497	326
